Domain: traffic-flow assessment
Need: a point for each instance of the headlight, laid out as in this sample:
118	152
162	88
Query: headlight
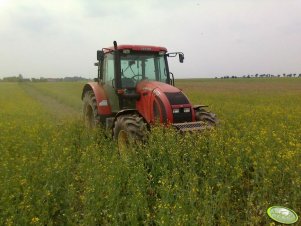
175	110
186	110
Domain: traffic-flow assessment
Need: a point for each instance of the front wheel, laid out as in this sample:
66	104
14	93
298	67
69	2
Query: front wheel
129	129
205	116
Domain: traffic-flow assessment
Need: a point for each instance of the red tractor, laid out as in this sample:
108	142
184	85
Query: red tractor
135	89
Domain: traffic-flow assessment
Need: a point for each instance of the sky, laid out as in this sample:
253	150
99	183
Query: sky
59	38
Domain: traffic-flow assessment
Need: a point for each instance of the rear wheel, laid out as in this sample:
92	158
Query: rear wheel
90	112
205	116
128	130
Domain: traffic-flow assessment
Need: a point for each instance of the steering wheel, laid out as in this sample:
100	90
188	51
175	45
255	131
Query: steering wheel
136	77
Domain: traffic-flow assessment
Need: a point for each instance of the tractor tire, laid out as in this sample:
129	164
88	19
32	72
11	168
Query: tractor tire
129	130
207	117
90	112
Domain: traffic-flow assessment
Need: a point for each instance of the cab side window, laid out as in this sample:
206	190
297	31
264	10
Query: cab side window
108	68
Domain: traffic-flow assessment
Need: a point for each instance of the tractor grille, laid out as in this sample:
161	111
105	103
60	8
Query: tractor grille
190	126
177	98
182	116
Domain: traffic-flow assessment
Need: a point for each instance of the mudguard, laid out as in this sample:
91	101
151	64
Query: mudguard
103	105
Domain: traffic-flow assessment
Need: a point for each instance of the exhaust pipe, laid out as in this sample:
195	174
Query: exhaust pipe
115	45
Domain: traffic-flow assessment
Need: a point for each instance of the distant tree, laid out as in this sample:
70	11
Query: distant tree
11	79
42	79
22	79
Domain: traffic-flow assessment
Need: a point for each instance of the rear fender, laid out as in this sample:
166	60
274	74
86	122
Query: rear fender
103	106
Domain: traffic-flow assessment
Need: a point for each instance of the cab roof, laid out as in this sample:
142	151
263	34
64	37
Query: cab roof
137	48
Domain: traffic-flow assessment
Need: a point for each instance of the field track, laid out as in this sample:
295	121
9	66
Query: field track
56	108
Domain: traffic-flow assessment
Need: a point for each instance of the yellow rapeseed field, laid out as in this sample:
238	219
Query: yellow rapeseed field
56	172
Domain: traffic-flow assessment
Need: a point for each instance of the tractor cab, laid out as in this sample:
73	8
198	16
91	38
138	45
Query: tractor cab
122	67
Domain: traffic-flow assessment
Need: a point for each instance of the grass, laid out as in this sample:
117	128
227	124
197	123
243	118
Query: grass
62	174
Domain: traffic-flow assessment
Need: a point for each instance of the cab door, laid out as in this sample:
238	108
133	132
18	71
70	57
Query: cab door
109	82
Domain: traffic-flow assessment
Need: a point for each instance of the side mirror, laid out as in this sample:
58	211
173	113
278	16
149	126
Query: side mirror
96	64
100	55
181	57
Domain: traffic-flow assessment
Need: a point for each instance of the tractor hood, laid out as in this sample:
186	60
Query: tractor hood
147	85
159	98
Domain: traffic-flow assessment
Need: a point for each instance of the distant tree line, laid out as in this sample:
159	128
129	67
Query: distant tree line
20	78
262	76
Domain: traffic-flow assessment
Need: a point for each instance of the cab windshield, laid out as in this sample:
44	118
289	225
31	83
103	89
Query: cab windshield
140	66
